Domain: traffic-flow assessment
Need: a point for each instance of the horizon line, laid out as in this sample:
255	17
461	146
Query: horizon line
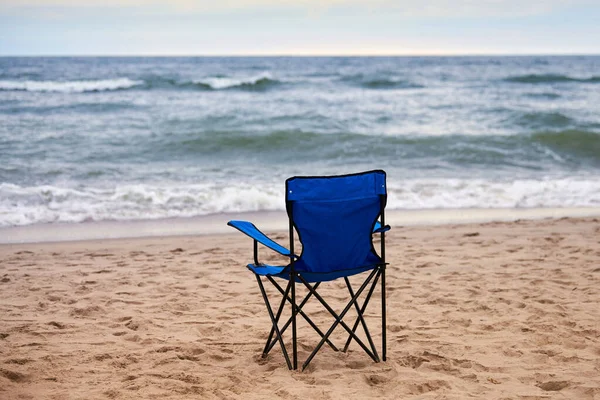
324	55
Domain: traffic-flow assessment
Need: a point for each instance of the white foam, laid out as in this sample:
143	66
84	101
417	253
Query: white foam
70	86
482	193
49	204
219	83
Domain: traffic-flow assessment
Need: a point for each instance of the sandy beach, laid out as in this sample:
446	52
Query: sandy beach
497	310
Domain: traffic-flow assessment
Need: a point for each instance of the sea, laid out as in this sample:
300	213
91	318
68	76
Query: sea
145	138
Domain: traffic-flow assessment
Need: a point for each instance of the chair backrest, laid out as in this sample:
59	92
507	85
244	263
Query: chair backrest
334	217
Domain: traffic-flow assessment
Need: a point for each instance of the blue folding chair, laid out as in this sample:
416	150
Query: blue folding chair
335	218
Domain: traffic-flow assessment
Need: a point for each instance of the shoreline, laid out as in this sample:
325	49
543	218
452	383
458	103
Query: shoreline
267	221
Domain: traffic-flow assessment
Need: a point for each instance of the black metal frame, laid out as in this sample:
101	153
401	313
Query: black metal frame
377	274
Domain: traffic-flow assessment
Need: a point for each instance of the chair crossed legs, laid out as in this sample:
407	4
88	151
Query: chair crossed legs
373	278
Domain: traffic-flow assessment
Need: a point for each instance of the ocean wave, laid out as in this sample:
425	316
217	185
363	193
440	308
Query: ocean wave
579	145
20	205
550	78
482	193
541	120
88	107
545	95
297	141
380	82
255	83
259	82
79	86
389	84
574	145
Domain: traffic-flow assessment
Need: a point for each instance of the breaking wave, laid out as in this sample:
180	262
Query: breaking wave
21	205
380	82
260	82
79	86
550	78
255	83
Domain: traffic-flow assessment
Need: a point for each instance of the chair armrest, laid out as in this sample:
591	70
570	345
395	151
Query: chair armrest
249	229
378	228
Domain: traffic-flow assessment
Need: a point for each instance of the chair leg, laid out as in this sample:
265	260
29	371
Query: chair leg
283	300
383	316
338	319
363	309
294	312
360	312
302	313
273	321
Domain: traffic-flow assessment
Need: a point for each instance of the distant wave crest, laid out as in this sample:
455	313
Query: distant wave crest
550	78
389	84
254	83
79	86
259	82
380	82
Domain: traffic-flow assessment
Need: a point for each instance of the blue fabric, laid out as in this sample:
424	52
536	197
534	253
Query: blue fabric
334	217
377	226
331	188
283	272
249	229
328	276
265	269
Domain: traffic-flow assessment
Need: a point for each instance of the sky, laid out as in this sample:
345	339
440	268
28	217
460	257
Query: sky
300	27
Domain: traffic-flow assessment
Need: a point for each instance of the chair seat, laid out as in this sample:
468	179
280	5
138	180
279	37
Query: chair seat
283	272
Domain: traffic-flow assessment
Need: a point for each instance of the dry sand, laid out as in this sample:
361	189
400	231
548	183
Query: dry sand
504	310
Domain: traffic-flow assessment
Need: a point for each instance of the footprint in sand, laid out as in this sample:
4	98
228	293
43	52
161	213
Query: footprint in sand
357	364
133	338
411	361
94	255
103	271
396	328
375	380
220	357
189	356
86	311
553	386
13	375
133	325
19	361
165	349
428	264
429	386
